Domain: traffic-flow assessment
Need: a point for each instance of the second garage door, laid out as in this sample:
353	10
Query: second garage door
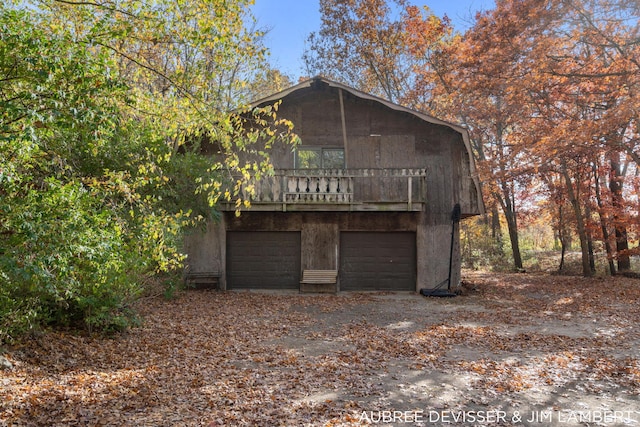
263	260
378	261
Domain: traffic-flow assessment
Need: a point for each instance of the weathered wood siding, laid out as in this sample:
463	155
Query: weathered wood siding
379	137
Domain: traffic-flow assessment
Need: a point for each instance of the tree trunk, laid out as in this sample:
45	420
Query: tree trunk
615	185
506	198
592	259
496	231
512	225
582	232
562	238
604	223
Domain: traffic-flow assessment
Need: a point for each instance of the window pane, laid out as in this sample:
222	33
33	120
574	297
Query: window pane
333	159
309	159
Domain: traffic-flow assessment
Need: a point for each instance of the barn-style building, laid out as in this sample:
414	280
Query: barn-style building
367	201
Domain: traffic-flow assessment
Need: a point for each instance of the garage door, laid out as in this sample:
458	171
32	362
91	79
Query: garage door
263	260
377	261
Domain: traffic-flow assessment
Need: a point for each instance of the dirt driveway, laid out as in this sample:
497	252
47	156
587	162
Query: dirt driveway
512	350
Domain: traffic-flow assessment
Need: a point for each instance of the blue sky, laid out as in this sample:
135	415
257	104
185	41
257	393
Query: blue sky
290	22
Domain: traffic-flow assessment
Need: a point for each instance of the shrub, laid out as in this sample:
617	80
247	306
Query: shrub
66	261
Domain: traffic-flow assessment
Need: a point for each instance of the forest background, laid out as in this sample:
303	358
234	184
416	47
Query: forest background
104	104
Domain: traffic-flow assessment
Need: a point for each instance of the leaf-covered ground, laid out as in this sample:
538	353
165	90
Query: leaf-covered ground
556	347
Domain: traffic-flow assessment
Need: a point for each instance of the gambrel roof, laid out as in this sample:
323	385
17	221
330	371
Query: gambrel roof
391	105
355	92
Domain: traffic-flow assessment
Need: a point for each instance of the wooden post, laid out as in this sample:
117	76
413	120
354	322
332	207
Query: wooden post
344	130
409	190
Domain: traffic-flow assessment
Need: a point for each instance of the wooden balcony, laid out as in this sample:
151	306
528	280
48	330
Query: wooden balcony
338	190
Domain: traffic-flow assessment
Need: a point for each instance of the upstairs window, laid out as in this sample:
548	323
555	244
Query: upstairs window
320	158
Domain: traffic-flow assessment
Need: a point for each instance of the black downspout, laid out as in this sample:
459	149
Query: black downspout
455	219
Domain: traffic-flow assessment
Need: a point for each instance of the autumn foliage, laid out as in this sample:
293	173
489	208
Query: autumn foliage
547	89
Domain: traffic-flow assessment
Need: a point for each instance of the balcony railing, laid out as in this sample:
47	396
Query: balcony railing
334	189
